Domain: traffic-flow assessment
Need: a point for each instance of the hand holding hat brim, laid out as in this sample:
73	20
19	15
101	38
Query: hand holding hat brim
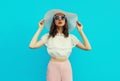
41	23
79	25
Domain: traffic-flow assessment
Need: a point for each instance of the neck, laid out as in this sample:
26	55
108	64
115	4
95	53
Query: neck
60	29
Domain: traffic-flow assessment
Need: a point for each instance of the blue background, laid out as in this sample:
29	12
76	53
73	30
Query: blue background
19	22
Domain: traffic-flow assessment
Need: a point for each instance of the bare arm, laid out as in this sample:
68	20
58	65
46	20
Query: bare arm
34	43
86	44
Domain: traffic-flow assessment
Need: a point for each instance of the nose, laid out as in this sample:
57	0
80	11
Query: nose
59	19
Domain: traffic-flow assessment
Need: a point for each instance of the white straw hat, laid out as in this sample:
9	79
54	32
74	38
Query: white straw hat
71	18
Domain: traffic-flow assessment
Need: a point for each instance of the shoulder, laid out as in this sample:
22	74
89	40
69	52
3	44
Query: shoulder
45	35
72	36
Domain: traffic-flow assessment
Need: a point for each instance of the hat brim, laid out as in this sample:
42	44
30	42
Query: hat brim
71	18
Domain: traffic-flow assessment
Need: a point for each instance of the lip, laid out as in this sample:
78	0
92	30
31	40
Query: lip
59	22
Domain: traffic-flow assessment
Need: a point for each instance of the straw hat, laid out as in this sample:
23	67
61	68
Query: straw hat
71	18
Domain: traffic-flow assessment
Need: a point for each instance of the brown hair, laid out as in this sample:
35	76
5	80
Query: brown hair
53	29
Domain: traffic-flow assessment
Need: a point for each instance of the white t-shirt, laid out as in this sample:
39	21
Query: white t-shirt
59	47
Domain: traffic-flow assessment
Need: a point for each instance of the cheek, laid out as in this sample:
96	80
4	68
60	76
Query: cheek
63	22
55	22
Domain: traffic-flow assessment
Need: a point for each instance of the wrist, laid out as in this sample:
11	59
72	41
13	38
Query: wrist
40	28
80	30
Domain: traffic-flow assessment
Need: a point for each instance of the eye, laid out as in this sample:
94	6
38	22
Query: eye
56	17
63	17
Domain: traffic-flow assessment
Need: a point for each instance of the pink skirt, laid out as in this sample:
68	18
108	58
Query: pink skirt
59	71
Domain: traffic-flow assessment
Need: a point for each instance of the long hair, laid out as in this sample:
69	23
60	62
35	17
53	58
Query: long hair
53	29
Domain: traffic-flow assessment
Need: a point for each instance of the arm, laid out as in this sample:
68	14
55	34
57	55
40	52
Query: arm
34	43
86	44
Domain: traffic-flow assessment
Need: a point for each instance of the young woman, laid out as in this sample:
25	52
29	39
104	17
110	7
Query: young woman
59	43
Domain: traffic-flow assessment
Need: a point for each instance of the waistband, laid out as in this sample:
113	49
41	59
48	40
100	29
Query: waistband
62	62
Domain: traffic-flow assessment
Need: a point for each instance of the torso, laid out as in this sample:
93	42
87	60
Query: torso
56	48
59	49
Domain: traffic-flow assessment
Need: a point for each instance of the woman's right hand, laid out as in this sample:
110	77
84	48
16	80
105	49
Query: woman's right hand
41	23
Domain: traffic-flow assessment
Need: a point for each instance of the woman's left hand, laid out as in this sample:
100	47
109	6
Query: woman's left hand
79	26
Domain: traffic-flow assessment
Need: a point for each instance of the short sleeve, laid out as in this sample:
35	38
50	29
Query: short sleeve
44	38
74	39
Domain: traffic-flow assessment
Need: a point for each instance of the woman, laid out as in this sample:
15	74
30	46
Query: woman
59	43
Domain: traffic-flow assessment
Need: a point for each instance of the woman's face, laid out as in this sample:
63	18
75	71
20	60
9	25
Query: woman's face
59	19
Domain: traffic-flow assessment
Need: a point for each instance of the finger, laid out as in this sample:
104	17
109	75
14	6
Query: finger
76	22
79	24
41	21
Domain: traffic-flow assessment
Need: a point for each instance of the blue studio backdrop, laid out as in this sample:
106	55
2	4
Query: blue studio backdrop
19	22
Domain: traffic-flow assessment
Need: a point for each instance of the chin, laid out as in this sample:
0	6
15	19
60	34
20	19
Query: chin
60	25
